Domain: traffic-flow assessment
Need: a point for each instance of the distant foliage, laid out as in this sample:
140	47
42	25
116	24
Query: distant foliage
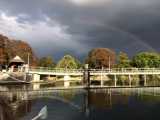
46	62
10	48
101	57
68	62
123	60
146	60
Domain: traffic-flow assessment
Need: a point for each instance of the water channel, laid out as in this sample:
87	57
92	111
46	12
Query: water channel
80	104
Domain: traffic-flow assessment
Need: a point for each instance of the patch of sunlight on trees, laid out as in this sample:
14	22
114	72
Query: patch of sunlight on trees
68	62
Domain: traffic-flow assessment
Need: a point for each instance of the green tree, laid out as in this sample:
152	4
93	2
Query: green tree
46	62
100	57
68	62
123	60
146	60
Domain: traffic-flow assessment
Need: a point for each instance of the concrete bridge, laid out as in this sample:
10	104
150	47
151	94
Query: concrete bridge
114	71
86	74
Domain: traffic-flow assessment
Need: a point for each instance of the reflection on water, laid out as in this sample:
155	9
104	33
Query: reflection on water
21	103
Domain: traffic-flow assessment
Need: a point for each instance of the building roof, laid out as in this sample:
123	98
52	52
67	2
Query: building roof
17	59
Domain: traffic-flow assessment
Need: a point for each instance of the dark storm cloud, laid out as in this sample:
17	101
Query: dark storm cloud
123	25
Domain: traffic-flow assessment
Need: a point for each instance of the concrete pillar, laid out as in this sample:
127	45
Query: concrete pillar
36	86
66	80
36	78
145	80
86	76
115	80
101	79
49	77
26	67
102	83
130	81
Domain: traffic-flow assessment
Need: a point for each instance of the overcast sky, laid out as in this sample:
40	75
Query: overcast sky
57	27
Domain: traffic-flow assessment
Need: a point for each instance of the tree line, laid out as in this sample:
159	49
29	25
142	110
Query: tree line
100	58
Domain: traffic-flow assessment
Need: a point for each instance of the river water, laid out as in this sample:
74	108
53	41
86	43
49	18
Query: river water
82	104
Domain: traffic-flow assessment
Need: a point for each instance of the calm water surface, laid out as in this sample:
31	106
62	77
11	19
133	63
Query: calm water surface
104	104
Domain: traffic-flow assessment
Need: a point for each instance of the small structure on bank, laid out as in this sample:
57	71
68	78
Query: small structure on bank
16	64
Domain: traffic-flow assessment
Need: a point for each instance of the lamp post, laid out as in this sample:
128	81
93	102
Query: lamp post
28	62
28	59
109	62
102	76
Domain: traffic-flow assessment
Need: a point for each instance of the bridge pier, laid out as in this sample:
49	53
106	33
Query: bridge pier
130	80
36	78
86	76
102	79
66	81
145	80
115	80
102	83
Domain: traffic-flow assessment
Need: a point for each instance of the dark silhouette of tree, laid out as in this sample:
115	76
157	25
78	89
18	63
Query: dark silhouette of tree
101	58
46	62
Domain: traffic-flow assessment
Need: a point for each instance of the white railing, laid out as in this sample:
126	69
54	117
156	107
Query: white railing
114	70
125	70
54	70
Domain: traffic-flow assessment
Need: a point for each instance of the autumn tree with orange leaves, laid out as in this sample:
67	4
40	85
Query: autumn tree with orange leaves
99	58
